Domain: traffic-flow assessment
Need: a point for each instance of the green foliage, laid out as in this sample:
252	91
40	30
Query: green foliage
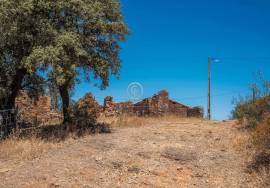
255	114
251	111
64	35
66	39
31	83
6	72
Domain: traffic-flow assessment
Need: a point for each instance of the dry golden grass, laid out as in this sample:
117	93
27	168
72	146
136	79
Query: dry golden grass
32	147
261	136
135	121
252	145
241	142
115	159
15	149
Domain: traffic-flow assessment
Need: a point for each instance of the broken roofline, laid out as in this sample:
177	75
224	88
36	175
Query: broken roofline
157	105
178	103
160	93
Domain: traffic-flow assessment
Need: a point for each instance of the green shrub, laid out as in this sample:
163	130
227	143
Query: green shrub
252	112
256	115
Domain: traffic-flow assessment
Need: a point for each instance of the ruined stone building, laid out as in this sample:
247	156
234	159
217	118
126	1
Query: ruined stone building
158	105
111	108
36	111
39	111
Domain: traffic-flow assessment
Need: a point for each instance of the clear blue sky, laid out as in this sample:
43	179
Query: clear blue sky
171	41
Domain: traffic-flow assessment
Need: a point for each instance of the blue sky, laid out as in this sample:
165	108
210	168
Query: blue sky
171	41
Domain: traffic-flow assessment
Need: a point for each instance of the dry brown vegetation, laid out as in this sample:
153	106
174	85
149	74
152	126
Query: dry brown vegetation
140	152
254	115
261	135
135	121
24	149
15	152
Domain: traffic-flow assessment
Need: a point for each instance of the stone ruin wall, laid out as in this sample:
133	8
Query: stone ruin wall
36	111
178	109
110	108
39	111
158	105
195	112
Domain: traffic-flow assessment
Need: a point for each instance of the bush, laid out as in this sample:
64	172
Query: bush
261	135
251	112
256	115
85	113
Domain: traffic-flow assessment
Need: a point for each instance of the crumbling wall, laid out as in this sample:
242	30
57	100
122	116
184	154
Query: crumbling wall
142	108
178	109
36	111
158	105
125	108
196	112
111	108
86	111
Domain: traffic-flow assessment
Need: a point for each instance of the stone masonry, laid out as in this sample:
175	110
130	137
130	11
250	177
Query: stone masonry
36	111
111	108
39	111
158	105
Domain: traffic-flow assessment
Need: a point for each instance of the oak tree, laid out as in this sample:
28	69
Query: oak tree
61	40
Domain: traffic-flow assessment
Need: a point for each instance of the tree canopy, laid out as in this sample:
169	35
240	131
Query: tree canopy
61	41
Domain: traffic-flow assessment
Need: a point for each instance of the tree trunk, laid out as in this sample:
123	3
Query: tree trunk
64	93
15	87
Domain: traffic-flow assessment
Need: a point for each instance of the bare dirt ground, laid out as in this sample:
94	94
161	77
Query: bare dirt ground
165	154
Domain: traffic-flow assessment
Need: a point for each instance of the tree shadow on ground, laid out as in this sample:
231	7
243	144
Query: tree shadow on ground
58	133
261	160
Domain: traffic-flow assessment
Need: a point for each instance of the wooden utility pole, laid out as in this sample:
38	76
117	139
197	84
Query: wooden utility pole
209	88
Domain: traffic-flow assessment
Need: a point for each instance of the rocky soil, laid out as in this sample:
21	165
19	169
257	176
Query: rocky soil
166	154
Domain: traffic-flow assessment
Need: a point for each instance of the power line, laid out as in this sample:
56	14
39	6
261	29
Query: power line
245	58
126	99
215	95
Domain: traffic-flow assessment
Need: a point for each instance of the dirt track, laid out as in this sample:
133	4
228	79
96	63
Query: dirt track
167	154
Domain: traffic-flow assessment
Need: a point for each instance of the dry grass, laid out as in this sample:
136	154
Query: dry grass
34	146
253	145
15	149
242	142
261	136
262	177
169	151
135	121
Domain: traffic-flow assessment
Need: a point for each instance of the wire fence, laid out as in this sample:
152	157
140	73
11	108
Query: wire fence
7	122
14	121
